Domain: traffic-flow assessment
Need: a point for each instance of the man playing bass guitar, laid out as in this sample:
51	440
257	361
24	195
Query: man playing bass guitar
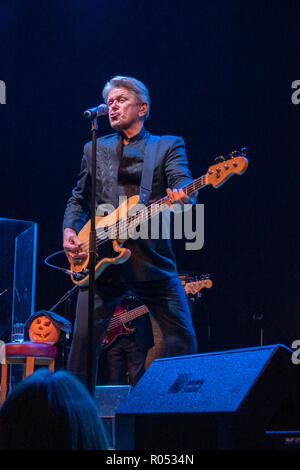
150	273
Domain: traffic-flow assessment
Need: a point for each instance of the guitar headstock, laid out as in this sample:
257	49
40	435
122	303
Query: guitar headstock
226	166
196	286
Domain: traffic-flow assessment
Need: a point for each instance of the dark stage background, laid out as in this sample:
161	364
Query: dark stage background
220	76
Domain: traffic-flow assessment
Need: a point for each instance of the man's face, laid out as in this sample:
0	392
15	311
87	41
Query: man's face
124	111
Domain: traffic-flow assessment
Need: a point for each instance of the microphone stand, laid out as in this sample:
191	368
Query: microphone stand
67	299
91	267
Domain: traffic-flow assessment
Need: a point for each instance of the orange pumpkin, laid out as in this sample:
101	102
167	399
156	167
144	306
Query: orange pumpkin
43	330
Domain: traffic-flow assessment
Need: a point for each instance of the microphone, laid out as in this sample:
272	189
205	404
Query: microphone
92	113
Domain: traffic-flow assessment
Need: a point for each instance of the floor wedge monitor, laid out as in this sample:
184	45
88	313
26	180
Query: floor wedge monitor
231	399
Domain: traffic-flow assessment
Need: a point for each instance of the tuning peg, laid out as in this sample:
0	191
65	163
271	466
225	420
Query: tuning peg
234	154
220	159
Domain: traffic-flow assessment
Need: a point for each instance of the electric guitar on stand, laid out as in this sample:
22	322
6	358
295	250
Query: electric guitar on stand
114	229
193	288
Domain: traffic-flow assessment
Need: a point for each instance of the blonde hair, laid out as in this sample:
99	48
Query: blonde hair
138	88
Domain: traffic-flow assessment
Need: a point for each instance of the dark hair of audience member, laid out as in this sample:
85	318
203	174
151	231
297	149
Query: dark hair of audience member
51	411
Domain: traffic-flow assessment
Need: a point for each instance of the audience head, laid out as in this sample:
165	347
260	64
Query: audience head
51	411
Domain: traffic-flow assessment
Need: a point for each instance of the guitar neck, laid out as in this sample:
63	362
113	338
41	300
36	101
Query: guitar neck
155	208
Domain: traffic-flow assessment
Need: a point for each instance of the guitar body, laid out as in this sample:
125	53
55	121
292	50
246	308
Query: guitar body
109	251
116	328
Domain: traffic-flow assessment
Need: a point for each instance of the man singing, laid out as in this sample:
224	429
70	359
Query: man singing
150	273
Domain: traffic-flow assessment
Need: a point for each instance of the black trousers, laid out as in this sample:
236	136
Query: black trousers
123	363
166	299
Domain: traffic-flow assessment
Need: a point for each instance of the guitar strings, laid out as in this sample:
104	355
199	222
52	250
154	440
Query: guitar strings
124	224
116	322
131	314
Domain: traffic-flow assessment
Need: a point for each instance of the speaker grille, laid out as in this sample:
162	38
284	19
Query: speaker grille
212	382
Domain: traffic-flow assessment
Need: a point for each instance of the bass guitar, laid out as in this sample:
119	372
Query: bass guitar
113	229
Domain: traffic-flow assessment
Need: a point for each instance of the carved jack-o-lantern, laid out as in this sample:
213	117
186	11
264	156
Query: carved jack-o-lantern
43	330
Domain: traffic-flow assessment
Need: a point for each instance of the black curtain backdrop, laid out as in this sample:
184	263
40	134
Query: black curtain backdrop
220	75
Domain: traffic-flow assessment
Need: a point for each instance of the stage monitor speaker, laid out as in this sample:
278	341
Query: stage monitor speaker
219	400
108	398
